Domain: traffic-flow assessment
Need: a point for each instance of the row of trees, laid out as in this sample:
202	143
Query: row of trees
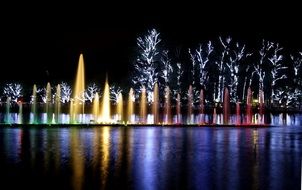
211	66
15	91
215	65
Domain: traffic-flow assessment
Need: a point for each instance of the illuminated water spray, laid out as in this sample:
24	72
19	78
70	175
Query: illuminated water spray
77	105
178	109
249	106
167	113
226	106
105	110
120	106
48	103
7	111
34	118
155	108
190	106
96	107
201	103
58	104
130	108
143	106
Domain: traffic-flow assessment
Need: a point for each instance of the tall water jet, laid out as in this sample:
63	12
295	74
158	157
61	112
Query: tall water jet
20	112
238	116
58	104
190	105
96	107
155	105
167	114
130	108
226	106
105	111
261	106
77	106
34	106
48	103
178	109
7	111
143	106
201	103
249	106
120	106
214	116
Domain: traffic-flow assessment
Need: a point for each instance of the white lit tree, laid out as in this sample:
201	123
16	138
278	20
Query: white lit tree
13	91
200	58
287	97
297	66
147	64
90	92
229	65
277	67
114	93
220	63
167	69
259	66
65	92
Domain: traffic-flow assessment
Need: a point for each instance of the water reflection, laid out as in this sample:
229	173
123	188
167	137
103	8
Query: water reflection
151	158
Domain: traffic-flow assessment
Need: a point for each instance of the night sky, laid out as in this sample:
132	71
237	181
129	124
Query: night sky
43	44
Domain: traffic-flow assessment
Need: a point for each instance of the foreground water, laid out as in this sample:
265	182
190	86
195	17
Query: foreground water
151	158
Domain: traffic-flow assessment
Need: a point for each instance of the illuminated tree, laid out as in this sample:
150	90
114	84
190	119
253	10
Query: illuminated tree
297	66
114	93
276	71
65	92
200	58
13	91
147	64
229	65
167	69
90	92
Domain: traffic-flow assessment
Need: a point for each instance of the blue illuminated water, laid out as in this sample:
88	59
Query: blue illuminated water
151	158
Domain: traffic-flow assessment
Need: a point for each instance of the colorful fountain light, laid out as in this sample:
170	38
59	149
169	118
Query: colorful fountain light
105	109
162	110
77	104
143	106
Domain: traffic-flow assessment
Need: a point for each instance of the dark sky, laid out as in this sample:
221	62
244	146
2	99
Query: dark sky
41	43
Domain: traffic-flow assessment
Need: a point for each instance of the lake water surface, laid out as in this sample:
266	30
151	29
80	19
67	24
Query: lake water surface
151	158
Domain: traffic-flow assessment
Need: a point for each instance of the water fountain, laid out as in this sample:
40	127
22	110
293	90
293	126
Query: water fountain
143	106
249	114
131	100
201	103
261	107
167	113
34	115
120	106
20	112
58	104
48	104
226	106
158	112
178	109
105	109
96	107
214	116
77	105
190	106
155	105
238	116
7	111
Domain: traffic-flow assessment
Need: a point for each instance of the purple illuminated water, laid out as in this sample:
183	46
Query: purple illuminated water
151	158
